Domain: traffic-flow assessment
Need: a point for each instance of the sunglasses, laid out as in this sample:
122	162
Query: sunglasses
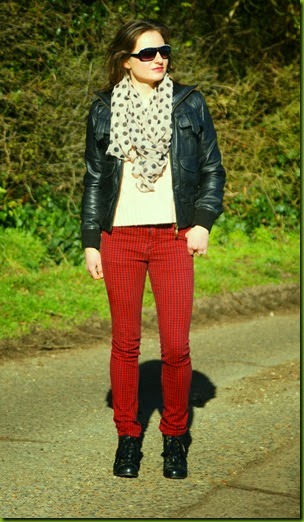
148	54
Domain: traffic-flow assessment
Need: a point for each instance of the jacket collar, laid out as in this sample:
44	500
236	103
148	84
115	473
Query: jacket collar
180	92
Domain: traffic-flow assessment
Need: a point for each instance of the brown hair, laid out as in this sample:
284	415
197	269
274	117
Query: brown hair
123	44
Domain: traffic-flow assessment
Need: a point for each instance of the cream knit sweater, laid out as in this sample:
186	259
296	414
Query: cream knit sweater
145	208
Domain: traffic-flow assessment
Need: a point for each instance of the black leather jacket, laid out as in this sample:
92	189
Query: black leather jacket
198	176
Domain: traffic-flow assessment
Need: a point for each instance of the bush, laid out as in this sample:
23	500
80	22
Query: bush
258	123
20	251
53	223
52	55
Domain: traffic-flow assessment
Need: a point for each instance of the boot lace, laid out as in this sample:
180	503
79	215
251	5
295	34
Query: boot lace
175	451
128	450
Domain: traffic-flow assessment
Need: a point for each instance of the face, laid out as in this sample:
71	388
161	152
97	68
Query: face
149	73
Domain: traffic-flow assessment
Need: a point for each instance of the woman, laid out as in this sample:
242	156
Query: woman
152	191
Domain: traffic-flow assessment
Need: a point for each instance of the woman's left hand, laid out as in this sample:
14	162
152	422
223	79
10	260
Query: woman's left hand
197	240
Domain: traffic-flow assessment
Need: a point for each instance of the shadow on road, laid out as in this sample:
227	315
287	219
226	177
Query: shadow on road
150	394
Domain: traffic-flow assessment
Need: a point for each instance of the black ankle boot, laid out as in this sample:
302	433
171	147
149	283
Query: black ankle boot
175	459
127	457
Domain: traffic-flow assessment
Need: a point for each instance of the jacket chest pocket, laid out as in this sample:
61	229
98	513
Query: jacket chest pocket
190	126
190	121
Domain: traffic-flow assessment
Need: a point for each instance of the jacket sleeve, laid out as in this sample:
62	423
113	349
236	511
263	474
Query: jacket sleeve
91	201
209	204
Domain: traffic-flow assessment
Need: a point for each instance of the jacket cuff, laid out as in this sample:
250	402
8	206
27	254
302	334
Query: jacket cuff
205	218
90	238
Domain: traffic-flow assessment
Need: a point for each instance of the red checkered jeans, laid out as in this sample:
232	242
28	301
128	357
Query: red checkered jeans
128	253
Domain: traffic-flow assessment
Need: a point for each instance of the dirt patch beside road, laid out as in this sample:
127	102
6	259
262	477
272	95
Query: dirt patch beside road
250	302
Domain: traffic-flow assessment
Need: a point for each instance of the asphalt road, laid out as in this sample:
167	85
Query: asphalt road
57	437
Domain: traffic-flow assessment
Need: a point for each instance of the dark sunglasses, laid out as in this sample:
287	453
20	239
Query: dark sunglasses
148	54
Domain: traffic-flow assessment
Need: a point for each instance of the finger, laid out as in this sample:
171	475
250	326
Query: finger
95	272
99	273
96	275
99	270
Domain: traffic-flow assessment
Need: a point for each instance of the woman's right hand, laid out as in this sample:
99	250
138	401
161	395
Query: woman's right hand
93	263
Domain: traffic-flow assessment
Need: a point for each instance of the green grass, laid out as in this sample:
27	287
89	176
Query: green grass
56	297
240	262
64	296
